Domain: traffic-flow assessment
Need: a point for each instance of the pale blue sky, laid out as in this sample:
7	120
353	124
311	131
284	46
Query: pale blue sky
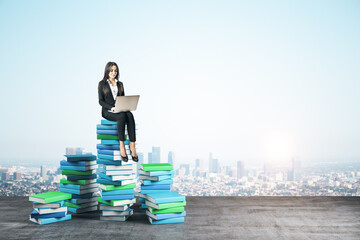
247	80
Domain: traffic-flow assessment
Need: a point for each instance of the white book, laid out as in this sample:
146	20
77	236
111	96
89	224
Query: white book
46	205
125	177
51	210
89	204
112	213
142	195
119	172
123	167
85	200
113	218
123	202
111	208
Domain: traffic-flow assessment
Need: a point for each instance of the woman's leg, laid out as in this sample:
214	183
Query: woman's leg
131	131
120	118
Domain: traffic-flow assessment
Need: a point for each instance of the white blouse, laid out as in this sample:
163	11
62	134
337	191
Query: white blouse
114	89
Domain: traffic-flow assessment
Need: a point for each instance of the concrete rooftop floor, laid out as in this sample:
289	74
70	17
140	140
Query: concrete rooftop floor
207	218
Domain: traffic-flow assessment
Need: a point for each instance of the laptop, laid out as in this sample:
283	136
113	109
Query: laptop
126	103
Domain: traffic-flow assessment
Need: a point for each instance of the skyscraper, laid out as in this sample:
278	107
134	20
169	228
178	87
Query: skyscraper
17	175
186	167
43	171
149	157
155	155
240	169
141	157
198	163
171	158
213	164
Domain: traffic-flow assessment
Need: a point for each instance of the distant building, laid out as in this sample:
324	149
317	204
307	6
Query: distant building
198	163
141	157
150	157
17	175
228	171
294	174
213	164
171	158
43	171
186	167
74	151
5	176
240	169
155	155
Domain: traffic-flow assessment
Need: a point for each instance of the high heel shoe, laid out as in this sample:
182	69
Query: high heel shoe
124	159
136	158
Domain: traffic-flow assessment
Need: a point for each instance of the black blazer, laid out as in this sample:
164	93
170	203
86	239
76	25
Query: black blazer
106	100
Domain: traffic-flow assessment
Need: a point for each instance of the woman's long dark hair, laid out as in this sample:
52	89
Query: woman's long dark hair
106	75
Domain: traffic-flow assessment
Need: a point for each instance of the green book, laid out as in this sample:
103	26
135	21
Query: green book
114	187
77	182
116	203
74	172
69	204
156	167
109	137
49	197
161	206
167	210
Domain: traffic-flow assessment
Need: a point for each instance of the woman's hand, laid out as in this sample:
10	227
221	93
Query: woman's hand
112	109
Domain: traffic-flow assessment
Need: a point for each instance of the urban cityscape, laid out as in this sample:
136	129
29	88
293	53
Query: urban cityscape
209	178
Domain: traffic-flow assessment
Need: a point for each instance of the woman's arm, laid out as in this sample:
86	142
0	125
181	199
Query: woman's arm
102	97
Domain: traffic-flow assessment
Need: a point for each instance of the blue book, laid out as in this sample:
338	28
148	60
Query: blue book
78	164
80	157
80	177
43	221
109	157
79	187
106	127
165	197
154	191
156	187
148	182
165	215
108	147
107	132
117	192
116	177
117	183
142	200
109	152
113	142
107	122
117	197
78	168
35	214
78	191
82	196
167	221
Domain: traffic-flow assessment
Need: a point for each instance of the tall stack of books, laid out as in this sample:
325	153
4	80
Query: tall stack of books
117	179
162	206
80	180
49	207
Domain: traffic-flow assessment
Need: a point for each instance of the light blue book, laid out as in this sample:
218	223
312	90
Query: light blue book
117	197
35	214
165	197
165	215
78	168
106	127
79	187
112	162
167	221
154	191
109	157
156	173
108	147
107	122
113	142
79	163
117	177
80	157
78	191
156	187
148	182
107	132
117	183
43	221
142	200
116	192
110	152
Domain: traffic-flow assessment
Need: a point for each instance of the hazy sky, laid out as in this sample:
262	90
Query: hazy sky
247	80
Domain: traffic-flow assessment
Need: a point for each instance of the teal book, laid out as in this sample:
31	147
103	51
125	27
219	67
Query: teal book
165	205
155	173
147	191
49	197
106	127
107	122
165	197
80	157
43	221
75	172
163	182
165	215
167	221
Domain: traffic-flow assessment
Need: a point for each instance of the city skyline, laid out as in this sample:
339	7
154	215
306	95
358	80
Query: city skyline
257	82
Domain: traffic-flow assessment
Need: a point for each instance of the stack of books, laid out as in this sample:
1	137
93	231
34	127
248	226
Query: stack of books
80	181
161	205
49	207
117	179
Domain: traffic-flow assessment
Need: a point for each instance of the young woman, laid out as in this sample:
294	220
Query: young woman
109	88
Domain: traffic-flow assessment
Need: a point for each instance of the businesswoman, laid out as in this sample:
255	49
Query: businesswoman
109	88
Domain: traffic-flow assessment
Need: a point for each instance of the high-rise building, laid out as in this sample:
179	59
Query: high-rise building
156	155
294	174
171	158
150	157
198	163
74	150
43	171
141	157
240	169
186	167
5	176
213	165
17	175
